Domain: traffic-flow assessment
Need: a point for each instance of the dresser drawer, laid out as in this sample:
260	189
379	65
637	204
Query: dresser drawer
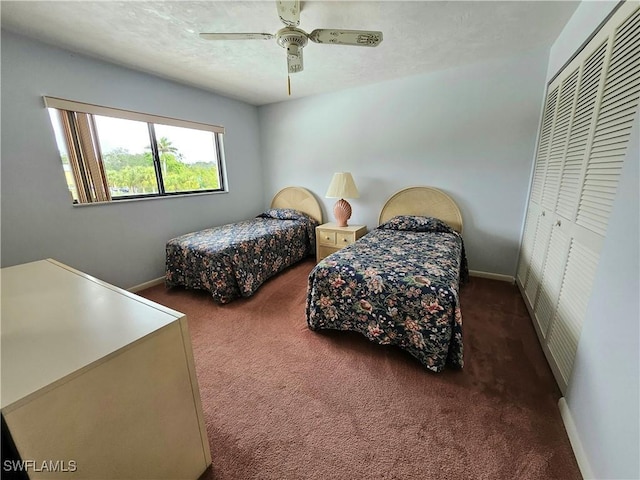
327	237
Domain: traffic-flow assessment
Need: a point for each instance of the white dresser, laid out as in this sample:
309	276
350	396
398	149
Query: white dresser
97	383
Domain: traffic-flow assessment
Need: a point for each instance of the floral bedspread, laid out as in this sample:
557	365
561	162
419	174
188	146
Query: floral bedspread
232	261
396	285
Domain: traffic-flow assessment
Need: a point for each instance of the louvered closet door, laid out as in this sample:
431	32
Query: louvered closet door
535	233
583	139
577	97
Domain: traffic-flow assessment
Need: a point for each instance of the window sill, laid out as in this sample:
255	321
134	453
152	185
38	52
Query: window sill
144	199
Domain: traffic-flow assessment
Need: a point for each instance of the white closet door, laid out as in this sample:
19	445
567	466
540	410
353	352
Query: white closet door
560	136
619	103
526	249
529	242
583	120
582	144
543	146
538	254
552	276
566	326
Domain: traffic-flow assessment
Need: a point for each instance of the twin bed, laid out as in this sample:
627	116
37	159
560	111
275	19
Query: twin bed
397	285
232	261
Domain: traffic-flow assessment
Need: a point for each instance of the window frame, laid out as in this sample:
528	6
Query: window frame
73	142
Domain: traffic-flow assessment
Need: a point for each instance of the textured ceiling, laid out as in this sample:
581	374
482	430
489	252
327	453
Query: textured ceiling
161	38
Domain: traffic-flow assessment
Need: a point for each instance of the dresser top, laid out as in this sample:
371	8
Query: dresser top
56	321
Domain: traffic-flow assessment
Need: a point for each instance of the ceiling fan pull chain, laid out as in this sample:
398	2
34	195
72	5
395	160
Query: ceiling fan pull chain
289	84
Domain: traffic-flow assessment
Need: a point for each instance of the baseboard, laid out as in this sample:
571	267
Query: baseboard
149	284
576	444
473	273
492	276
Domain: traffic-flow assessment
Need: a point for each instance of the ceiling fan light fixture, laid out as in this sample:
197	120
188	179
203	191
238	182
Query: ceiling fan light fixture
293	40
294	58
291	36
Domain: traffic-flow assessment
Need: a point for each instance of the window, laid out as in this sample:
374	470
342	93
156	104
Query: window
110	154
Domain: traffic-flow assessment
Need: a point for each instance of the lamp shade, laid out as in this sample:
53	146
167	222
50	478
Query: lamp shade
342	186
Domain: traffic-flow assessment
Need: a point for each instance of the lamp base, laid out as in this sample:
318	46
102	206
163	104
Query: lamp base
342	212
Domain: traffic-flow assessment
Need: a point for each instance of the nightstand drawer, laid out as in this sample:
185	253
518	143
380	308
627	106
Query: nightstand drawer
344	239
330	238
326	237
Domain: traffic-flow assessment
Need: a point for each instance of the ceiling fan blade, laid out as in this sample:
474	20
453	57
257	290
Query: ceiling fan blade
237	36
289	12
294	58
361	38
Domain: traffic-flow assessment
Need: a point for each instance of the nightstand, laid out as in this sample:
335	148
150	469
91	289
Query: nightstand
331	238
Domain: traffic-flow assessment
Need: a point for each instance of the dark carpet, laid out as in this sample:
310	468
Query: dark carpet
283	402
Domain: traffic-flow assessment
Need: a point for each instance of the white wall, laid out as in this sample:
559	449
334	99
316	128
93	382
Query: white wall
469	131
603	392
121	243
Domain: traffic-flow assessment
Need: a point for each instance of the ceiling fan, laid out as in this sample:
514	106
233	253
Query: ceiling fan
294	39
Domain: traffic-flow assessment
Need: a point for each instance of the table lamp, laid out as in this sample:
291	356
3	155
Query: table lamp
342	186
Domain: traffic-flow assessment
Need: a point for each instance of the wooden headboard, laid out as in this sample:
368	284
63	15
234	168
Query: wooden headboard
300	199
424	201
